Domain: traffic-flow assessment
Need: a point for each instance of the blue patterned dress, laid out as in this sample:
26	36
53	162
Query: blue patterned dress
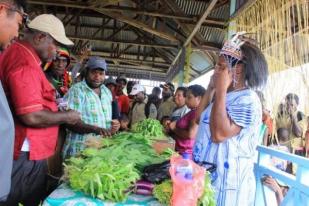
234	179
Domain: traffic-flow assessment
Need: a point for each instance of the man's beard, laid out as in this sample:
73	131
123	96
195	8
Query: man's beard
93	86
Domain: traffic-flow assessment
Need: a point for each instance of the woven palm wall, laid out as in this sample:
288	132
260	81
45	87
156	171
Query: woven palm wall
281	28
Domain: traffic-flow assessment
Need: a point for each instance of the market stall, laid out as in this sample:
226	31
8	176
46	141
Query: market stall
64	195
131	168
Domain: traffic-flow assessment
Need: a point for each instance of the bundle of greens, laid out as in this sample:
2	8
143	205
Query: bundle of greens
163	193
150	128
99	178
208	196
109	171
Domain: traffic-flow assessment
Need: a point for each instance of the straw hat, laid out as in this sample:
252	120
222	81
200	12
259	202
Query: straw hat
50	24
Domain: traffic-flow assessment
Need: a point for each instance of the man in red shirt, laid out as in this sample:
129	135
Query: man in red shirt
123	100
32	100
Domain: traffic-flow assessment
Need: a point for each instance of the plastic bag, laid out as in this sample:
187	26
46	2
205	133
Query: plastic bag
186	192
157	173
143	188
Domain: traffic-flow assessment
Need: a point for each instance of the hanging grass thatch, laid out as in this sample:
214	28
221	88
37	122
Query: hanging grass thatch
281	27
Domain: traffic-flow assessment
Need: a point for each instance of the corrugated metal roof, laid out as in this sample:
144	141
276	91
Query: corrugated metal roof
214	35
200	61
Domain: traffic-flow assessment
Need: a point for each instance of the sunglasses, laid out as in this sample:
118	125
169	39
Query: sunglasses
25	16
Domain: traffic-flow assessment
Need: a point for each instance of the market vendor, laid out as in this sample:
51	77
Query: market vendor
94	101
184	130
57	73
229	126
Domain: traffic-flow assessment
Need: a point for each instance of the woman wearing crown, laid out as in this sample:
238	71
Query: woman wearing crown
230	121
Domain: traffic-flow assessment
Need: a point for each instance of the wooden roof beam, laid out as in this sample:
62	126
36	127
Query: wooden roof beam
126	60
195	30
76	4
137	24
177	10
119	17
190	19
208	46
135	43
187	19
141	67
137	74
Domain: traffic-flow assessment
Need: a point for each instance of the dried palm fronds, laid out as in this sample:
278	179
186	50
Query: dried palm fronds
282	30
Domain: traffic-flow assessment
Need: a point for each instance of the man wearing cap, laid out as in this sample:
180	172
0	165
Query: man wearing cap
141	109
168	105
11	18
123	100
33	104
94	101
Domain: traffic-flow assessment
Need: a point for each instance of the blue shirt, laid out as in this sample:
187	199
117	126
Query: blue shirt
6	145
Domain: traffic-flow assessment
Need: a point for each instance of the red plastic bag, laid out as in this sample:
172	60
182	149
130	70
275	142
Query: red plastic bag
186	192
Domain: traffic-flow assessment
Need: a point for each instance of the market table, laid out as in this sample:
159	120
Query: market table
64	196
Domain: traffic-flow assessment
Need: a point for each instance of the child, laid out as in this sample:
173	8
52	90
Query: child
278	187
124	122
283	138
165	121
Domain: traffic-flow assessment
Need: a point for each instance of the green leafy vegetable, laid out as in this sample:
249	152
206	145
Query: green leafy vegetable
151	128
109	172
208	197
163	192
103	179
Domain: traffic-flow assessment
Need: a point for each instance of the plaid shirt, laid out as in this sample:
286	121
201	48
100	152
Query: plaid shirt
94	110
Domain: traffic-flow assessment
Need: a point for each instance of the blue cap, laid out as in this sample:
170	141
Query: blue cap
96	62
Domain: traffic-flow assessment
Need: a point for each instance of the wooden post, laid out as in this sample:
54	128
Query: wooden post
196	28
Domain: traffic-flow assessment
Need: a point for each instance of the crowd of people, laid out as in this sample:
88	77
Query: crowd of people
47	111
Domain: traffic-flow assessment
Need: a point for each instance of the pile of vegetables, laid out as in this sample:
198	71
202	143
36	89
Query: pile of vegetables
163	193
150	128
99	178
208	197
111	169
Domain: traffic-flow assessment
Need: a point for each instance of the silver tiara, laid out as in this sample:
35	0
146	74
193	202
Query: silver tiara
231	47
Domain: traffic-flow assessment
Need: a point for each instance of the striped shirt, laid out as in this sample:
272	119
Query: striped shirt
234	180
94	110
